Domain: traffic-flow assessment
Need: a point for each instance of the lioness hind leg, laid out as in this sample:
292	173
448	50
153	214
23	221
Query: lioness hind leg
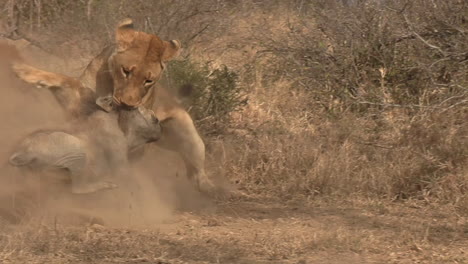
40	78
67	90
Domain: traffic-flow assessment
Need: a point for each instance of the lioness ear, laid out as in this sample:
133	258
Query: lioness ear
171	50
124	35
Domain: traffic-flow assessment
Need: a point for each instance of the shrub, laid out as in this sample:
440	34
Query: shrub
215	93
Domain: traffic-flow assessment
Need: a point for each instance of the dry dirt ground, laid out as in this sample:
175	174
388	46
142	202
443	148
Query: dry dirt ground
252	231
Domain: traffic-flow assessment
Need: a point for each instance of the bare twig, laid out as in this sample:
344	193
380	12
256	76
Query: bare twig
394	105
39	15
453	97
421	38
372	144
436	62
429	44
198	33
399	11
456	104
89	9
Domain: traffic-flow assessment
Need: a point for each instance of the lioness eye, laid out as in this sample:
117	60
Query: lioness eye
125	72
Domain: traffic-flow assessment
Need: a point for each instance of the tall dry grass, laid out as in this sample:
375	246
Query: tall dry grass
355	100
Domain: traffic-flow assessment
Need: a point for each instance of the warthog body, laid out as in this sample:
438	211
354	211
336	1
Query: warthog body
95	148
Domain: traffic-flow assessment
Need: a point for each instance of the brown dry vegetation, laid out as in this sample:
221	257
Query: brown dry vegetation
352	143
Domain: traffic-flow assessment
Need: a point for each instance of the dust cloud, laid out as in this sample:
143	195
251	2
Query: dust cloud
146	198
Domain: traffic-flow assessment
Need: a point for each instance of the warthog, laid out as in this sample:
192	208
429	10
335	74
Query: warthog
98	141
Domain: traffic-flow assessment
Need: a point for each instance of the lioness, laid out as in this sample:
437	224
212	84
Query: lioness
129	70
98	142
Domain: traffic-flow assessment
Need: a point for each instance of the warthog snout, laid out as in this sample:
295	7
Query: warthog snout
19	159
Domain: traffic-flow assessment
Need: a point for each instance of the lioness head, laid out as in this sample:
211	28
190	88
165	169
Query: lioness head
137	63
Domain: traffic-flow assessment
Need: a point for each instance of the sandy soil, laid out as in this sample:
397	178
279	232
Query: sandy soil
252	231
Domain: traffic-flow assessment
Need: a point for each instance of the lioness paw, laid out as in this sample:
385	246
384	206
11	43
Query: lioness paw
41	84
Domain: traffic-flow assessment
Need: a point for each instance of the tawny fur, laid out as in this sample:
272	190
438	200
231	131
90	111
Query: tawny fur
129	70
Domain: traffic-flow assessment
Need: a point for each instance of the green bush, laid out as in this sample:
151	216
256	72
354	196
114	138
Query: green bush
214	93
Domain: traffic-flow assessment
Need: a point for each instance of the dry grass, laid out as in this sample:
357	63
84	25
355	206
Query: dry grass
354	119
255	232
279	153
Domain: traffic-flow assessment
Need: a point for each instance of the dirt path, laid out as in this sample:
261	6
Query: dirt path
256	232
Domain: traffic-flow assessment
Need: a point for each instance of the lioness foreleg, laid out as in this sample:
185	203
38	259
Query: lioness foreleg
180	135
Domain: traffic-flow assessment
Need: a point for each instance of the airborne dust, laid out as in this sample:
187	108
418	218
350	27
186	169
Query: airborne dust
144	199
